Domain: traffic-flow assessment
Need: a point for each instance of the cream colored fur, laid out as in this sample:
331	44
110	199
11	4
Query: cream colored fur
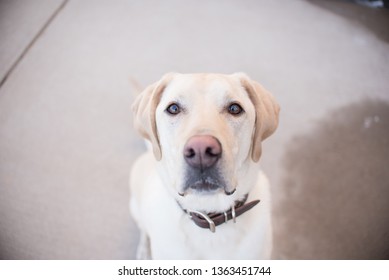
158	177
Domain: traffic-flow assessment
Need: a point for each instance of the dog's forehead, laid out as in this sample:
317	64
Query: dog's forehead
207	85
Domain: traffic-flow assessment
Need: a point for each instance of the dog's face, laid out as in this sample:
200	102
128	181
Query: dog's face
206	131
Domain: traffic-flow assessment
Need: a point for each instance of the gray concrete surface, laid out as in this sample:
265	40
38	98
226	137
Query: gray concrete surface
67	144
20	23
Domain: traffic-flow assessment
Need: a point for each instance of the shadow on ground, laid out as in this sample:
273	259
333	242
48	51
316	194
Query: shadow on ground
335	201
374	19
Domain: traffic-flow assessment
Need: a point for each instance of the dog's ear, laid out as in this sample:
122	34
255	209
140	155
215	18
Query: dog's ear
144	109
266	113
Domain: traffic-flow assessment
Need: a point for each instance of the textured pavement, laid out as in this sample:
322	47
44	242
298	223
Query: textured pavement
66	136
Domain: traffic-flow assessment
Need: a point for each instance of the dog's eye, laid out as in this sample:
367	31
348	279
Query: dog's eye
173	109
235	109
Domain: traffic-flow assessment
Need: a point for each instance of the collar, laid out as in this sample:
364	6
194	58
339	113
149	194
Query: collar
212	220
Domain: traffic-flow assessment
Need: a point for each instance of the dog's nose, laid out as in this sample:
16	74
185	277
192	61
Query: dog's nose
202	151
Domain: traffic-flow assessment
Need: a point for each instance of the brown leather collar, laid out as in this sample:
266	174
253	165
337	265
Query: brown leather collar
212	220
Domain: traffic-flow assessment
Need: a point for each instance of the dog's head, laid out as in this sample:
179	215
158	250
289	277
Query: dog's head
206	132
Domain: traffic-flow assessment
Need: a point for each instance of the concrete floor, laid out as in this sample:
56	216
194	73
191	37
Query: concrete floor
67	144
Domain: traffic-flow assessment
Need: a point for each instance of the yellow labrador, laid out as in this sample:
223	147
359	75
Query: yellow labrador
199	193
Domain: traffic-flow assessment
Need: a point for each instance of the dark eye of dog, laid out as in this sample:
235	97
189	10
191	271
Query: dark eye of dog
235	109
173	109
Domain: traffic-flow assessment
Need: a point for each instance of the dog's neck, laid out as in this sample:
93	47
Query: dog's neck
211	220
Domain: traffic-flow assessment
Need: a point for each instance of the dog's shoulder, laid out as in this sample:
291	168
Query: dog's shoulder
144	163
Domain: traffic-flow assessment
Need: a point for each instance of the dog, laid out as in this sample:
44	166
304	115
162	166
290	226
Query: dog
198	193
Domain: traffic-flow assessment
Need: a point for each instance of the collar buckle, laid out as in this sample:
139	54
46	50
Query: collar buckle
212	226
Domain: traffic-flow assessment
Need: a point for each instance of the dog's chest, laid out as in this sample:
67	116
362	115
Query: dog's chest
179	237
227	241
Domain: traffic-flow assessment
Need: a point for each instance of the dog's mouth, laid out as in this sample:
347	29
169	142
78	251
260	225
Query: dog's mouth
206	182
206	187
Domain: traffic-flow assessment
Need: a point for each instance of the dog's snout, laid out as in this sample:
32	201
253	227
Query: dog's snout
202	151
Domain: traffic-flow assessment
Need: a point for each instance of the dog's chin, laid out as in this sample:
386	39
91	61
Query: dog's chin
206	189
207	199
